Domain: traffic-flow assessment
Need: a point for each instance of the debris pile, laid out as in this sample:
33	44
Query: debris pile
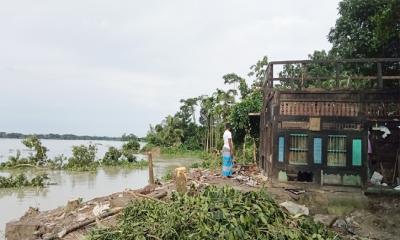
215	213
57	223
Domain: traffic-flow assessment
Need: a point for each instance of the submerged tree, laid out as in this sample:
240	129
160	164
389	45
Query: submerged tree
83	157
34	143
129	150
112	156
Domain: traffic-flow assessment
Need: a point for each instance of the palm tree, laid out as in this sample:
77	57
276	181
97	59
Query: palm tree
189	106
172	134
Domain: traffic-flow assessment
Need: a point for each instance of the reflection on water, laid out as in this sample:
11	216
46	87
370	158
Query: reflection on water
70	185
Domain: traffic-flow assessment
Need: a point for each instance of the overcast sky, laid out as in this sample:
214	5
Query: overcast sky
109	67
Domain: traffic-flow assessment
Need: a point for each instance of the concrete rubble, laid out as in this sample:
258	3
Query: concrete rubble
295	209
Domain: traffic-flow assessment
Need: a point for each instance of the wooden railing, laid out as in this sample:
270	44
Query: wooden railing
302	79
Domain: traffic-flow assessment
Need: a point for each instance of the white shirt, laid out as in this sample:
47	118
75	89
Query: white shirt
227	136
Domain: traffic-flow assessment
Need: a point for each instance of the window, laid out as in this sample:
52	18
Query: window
298	148
336	156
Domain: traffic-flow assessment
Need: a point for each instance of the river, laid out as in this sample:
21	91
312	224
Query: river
69	185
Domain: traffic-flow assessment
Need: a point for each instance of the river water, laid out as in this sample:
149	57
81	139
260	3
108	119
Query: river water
69	185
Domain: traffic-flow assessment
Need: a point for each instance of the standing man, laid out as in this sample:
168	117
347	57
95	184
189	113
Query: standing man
227	152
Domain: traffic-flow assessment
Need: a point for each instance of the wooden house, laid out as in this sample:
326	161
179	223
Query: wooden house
323	135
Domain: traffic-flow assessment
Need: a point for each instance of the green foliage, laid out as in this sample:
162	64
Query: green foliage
211	161
148	147
111	157
83	158
364	29
22	181
129	150
127	137
180	152
132	165
57	163
34	143
14	161
188	110
239	117
195	165
233	78
124	157
216	213
131	145
169	174
168	133
367	29
258	71
325	70
181	131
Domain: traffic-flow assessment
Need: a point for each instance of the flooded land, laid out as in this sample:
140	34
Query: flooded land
66	185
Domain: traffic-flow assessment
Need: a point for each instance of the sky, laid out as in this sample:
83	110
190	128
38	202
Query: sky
112	67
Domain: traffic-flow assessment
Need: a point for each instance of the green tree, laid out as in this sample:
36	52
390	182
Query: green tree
239	117
233	78
34	143
127	137
83	157
129	149
188	109
112	156
366	29
207	105
258	71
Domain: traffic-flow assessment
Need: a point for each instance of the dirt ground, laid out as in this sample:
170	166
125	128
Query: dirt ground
346	210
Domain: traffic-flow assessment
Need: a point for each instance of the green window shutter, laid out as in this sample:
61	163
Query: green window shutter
317	150
356	156
281	149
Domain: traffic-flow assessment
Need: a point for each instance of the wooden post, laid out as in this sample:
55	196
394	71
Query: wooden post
380	80
254	151
337	75
271	76
180	179
303	73
151	173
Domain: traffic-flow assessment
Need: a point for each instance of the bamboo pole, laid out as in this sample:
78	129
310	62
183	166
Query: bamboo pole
151	173
254	151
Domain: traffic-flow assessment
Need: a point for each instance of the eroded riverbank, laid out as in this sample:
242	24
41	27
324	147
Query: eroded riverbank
346	211
70	185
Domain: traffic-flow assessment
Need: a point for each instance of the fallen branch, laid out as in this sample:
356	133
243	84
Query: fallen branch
155	197
80	225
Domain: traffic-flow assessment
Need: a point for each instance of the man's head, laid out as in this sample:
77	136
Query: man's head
227	126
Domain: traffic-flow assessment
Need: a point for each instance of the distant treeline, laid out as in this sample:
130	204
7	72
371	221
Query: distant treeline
124	137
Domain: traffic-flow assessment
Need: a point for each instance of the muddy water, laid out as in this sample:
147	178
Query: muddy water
9	147
69	185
